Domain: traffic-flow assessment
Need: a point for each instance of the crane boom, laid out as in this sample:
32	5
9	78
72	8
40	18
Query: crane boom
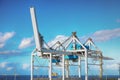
37	35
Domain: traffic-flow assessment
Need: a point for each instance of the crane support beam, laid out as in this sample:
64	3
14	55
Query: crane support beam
86	65
63	67
79	67
37	35
50	67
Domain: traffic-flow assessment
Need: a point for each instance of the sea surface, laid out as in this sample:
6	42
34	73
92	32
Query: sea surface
27	77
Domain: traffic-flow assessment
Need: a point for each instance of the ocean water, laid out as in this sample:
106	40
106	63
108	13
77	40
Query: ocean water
27	77
12	77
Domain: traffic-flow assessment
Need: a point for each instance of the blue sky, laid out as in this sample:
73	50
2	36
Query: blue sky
99	19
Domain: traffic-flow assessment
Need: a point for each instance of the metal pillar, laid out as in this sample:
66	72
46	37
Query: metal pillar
79	66
32	66
63	67
67	68
50	67
86	65
101	68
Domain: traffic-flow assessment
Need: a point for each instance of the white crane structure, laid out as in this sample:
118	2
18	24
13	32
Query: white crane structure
60	53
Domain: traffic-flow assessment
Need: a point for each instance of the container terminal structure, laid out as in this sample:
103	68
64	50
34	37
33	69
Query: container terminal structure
61	54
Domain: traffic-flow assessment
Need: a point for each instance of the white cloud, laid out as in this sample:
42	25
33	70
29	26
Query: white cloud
9	68
4	37
3	64
112	66
36	68
60	38
101	35
104	35
25	66
26	42
93	67
9	52
2	45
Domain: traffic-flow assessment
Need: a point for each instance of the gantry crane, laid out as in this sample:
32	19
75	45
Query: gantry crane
61	52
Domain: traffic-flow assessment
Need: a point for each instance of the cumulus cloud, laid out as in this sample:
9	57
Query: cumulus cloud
104	35
25	66
9	52
3	64
60	38
26	42
98	36
7	64
2	45
4	37
9	68
112	66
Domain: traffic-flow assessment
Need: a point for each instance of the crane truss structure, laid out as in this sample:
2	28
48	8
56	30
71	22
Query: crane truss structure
60	52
